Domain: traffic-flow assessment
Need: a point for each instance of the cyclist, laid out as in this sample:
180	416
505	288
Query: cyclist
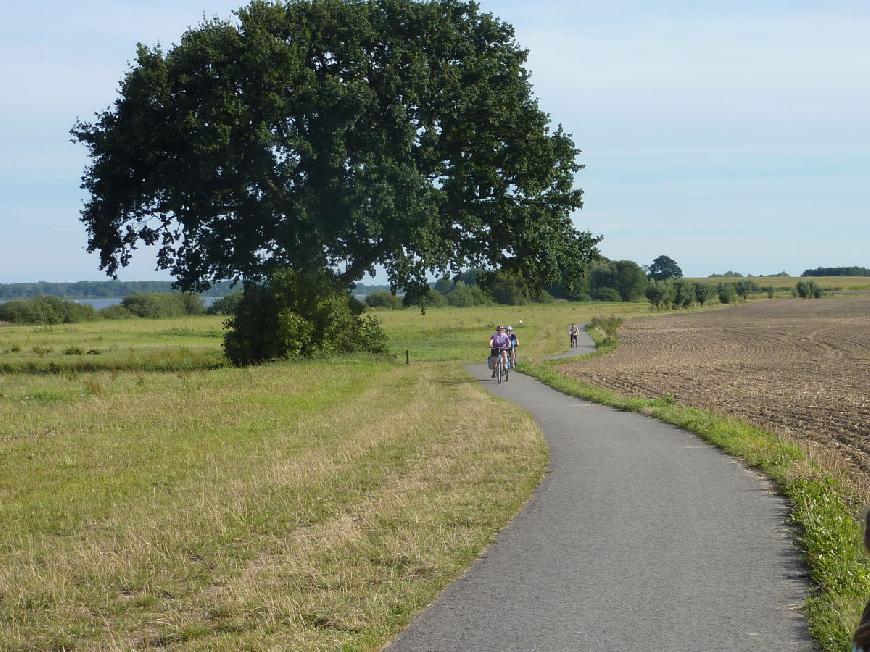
573	332
515	342
499	343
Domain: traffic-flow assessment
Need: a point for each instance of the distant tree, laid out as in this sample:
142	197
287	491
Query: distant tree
225	305
663	268
45	310
660	294
606	294
728	274
704	293
444	284
463	295
744	288
807	289
684	294
383	299
630	280
837	271
727	293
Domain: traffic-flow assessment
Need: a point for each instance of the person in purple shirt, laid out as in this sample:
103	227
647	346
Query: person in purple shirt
499	343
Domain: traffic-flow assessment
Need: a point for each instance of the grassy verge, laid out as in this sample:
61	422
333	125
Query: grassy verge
177	344
830	534
291	506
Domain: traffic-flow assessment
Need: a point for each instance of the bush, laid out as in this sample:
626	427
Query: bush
808	290
46	310
463	295
704	293
163	304
684	294
384	299
607	325
225	305
116	312
745	288
660	294
727	293
606	294
299	314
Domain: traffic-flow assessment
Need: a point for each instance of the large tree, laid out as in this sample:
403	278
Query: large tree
663	268
335	135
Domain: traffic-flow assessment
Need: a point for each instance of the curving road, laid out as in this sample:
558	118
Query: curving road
641	537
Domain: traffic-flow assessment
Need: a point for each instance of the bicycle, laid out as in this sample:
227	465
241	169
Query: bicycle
501	366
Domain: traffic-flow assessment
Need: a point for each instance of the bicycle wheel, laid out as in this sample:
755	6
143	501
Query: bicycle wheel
499	369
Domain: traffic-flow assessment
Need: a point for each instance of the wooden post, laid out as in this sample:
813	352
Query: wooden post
407	356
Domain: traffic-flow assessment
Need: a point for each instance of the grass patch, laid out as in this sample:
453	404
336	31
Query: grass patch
822	508
315	505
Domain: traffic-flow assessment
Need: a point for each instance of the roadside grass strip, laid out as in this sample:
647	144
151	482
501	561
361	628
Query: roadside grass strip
821	507
310	506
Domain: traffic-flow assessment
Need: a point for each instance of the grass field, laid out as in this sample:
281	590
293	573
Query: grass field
152	496
306	506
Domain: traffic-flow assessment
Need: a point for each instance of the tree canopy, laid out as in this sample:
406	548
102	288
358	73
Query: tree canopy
335	135
663	268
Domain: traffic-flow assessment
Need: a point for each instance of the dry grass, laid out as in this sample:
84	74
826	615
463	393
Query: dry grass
307	506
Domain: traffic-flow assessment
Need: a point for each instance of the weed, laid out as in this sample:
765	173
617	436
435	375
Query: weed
93	388
73	350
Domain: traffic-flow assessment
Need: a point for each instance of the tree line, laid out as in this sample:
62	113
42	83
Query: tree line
837	271
98	289
55	310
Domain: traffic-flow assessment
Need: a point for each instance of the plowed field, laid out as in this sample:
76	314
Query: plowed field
797	367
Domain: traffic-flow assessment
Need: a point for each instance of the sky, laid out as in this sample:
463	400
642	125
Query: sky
728	135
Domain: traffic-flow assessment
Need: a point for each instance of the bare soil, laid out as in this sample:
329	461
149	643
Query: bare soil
800	368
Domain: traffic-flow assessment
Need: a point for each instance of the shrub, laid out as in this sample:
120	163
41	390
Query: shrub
660	294
770	292
684	294
46	310
384	299
299	314
704	293
116	312
606	294
163	304
225	305
727	293
808	289
508	289
72	350
467	295
607	325
745	288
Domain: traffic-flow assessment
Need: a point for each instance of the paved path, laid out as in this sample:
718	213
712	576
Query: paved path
641	537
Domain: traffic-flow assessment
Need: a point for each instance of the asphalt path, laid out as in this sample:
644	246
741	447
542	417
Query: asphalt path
641	537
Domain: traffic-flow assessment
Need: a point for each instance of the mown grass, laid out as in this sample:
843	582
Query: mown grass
822	508
291	506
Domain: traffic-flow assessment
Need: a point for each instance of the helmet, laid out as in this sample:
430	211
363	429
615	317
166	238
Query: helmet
510	328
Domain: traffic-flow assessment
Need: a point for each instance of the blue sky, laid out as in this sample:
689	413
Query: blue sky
727	135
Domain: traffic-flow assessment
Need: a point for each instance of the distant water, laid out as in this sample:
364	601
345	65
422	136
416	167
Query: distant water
105	302
114	301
